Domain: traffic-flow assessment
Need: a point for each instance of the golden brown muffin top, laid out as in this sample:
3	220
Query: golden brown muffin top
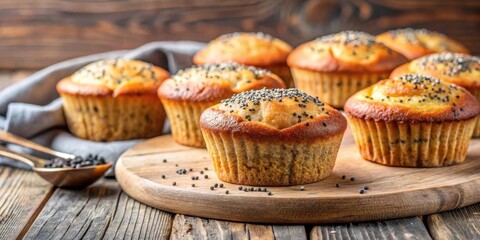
348	51
415	43
254	49
213	82
457	68
413	98
117	76
275	113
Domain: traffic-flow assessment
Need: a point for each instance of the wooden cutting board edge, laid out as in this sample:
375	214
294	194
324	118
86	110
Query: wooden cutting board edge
280	210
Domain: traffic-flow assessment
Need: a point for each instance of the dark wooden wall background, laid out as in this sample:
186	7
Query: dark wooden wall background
34	34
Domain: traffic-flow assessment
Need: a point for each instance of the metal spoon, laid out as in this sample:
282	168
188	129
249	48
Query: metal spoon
61	177
10	138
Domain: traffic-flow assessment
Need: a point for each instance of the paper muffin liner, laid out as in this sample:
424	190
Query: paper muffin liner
242	160
283	71
476	130
107	118
333	88
184	119
412	144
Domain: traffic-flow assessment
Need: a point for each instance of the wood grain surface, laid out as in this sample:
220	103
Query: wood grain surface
463	223
187	227
37	35
22	193
393	193
405	228
101	211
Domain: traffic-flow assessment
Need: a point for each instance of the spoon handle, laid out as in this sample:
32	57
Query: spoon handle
10	138
30	160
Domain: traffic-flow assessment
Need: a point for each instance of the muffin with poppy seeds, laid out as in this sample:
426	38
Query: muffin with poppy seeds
186	94
334	67
113	100
456	68
249	48
272	137
413	121
415	43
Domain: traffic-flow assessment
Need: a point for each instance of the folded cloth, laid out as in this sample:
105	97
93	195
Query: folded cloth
32	108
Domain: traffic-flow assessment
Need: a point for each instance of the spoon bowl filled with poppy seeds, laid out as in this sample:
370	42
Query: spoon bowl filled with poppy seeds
77	162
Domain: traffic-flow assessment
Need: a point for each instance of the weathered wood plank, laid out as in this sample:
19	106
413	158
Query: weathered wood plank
37	35
406	228
463	223
101	211
186	227
22	195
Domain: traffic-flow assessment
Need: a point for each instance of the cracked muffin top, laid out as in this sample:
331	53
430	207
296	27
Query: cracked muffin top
347	51
413	98
249	48
114	77
415	43
214	82
457	68
283	113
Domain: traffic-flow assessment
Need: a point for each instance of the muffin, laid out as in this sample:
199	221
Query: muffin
113	100
272	137
190	91
415	43
334	67
456	68
253	49
413	121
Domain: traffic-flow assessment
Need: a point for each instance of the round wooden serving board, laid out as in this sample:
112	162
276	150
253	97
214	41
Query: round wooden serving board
393	192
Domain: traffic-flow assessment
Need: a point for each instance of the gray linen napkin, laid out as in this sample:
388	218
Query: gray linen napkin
33	109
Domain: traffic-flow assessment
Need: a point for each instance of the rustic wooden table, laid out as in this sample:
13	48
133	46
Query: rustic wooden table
31	208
